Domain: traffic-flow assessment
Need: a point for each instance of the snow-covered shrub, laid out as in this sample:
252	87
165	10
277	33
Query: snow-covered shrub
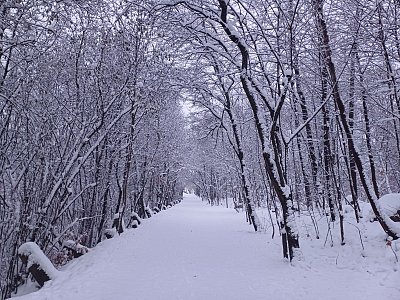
61	257
134	220
156	210
110	233
118	223
389	205
148	212
134	224
70	249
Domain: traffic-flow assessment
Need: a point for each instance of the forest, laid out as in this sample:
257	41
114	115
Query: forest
110	109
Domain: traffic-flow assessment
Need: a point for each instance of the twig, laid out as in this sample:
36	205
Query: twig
359	233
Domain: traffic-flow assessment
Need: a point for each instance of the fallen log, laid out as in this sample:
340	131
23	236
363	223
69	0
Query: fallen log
37	263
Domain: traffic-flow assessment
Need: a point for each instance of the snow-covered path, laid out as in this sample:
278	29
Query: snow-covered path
193	251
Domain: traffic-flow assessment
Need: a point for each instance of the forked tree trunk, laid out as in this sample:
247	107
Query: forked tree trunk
237	146
240	154
272	163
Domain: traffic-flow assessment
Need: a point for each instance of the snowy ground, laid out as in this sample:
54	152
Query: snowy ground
193	251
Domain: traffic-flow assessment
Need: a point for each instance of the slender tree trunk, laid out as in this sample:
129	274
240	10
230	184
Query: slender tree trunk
327	145
307	187
391	80
367	129
240	154
273	166
352	165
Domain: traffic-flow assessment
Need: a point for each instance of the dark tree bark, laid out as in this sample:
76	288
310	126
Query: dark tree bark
328	158
271	158
367	129
384	221
240	154
352	165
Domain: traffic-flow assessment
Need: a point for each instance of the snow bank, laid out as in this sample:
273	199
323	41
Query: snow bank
136	217
110	232
198	252
389	205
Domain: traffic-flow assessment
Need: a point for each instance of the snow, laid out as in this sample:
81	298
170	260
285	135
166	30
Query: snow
36	256
110	232
195	251
390	204
73	245
288	72
134	215
286	191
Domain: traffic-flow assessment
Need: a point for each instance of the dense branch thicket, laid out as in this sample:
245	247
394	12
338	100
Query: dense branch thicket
85	123
304	93
295	107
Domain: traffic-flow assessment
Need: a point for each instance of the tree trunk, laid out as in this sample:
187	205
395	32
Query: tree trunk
273	166
388	225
